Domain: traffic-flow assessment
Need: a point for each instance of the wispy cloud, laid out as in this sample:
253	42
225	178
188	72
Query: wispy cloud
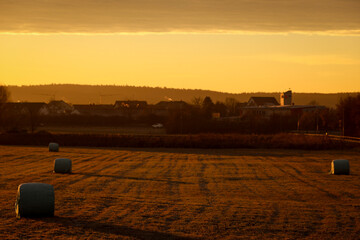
199	16
313	60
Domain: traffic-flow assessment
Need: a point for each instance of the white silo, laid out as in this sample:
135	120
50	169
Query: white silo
286	98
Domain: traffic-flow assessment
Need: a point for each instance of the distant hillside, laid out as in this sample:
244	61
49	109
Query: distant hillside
85	94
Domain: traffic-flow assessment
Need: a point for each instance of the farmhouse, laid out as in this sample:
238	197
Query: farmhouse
130	105
106	110
262	101
164	108
131	109
55	108
268	106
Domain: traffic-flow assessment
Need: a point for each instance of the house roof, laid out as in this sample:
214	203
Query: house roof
262	101
92	109
130	104
171	104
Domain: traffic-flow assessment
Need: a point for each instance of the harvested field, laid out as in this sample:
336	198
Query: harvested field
185	194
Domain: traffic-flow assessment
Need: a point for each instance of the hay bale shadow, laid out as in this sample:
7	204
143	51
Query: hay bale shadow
108	228
130	178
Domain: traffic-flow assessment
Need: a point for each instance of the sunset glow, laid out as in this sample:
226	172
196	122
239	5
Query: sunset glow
233	47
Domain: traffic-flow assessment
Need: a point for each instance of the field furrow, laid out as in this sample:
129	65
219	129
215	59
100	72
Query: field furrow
184	194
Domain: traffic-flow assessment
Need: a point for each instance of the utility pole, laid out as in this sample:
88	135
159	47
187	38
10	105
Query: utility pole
317	121
343	123
181	118
298	122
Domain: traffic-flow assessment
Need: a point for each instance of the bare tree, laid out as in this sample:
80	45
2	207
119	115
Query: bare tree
232	106
33	112
197	101
4	95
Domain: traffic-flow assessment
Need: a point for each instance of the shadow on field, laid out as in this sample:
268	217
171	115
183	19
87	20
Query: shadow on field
219	152
130	178
107	228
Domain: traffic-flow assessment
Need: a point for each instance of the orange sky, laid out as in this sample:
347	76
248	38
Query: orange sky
232	46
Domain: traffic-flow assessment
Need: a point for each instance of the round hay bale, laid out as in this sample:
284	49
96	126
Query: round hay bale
62	165
53	147
340	166
35	200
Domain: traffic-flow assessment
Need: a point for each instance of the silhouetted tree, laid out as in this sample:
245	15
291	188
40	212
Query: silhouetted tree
313	103
309	121
207	107
220	107
329	120
349	113
197	101
33	111
232	106
4	94
4	97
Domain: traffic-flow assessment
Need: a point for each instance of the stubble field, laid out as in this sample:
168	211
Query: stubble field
184	194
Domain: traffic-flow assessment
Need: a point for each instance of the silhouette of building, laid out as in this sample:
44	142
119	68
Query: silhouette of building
262	101
105	110
57	107
163	108
130	104
268	111
286	98
131	109
171	105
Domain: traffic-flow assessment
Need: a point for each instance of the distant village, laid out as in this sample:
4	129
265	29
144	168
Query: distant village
261	106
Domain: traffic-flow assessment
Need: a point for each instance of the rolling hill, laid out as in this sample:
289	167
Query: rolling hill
108	94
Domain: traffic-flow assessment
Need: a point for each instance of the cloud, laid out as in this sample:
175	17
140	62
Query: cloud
158	16
311	60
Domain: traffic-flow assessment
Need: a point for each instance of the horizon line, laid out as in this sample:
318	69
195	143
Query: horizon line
164	87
